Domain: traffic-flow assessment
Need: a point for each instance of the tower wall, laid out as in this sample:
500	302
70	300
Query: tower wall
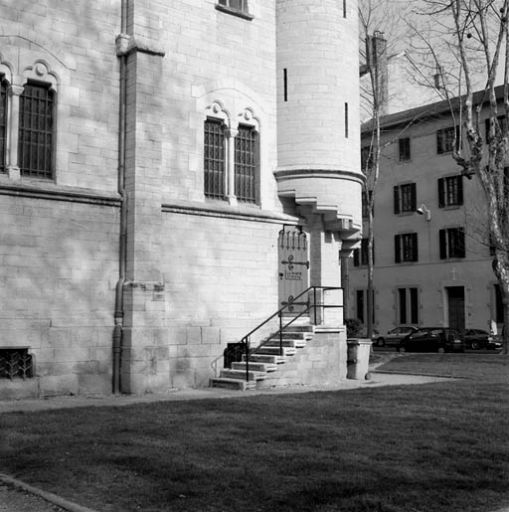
317	51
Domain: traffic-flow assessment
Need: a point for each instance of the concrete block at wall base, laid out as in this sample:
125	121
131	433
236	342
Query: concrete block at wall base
141	384
19	389
58	385
182	379
95	384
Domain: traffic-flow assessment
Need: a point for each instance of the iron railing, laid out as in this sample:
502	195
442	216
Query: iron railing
312	291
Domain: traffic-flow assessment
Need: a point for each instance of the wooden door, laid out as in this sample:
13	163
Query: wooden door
456	300
293	268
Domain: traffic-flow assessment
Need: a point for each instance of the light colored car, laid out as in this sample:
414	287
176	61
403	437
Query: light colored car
394	336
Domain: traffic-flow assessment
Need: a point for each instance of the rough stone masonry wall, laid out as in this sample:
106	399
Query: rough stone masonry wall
221	280
57	278
59	253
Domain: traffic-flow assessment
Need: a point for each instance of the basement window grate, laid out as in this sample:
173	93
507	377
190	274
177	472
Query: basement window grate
16	363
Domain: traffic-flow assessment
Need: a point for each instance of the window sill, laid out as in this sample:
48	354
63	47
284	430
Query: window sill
234	12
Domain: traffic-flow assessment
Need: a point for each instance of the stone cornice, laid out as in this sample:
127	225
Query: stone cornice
319	173
54	192
228	212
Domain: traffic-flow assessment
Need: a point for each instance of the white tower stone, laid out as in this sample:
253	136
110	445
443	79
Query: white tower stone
318	110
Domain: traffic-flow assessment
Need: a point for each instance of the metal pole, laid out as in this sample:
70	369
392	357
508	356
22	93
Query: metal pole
246	341
314	302
280	333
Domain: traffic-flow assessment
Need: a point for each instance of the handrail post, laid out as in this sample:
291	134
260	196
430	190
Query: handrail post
314	303
247	359
280	333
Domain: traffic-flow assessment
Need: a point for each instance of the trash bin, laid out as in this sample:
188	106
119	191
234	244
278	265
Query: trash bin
233	353
359	350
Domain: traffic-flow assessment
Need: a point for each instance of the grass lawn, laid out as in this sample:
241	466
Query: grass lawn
426	448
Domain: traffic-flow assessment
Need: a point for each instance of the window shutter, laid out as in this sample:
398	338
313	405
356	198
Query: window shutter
443	246
396	200
402	305
441	193
414	308
414	197
415	248
460	190
461	242
439	142
397	251
356	257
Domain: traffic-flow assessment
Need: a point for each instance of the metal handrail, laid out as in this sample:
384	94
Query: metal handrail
279	313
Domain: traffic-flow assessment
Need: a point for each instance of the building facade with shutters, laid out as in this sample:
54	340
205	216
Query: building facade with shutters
432	253
154	159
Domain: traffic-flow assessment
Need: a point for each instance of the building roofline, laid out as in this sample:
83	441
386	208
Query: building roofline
425	112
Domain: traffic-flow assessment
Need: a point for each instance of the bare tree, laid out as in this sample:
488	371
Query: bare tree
376	17
472	35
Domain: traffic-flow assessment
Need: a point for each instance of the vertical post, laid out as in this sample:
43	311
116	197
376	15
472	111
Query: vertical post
314	303
280	333
246	342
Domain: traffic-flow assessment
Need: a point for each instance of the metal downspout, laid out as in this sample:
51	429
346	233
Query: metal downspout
118	332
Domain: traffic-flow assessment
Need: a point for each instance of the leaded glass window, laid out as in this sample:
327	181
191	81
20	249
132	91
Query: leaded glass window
246	164
214	160
35	146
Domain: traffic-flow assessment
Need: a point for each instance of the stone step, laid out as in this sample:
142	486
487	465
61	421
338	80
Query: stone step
301	321
298	328
255	366
241	375
237	384
294	343
265	358
287	351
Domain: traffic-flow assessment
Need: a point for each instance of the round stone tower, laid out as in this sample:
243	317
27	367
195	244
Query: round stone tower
318	111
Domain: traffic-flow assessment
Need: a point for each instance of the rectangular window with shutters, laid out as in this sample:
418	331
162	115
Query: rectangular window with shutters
361	303
448	139
501	125
36	126
405	198
408	306
450	191
405	248
246	164
404	149
365	203
3	122
452	243
360	256
214	159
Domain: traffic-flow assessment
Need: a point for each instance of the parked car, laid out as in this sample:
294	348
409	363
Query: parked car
394	336
432	339
477	339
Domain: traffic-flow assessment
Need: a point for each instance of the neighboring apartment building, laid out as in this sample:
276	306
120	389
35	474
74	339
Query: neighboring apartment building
154	158
432	252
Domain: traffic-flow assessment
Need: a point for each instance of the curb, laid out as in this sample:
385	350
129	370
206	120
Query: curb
48	496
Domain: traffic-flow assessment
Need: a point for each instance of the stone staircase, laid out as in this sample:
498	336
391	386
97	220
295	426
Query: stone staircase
266	361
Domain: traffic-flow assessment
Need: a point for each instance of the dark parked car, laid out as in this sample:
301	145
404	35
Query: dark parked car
477	339
394	336
432	339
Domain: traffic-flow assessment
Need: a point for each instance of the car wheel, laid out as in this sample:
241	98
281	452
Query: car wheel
474	345
401	349
380	342
441	350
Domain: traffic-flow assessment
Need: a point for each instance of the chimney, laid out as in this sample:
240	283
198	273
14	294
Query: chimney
377	60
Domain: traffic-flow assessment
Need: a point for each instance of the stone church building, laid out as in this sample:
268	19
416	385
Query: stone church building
154	157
